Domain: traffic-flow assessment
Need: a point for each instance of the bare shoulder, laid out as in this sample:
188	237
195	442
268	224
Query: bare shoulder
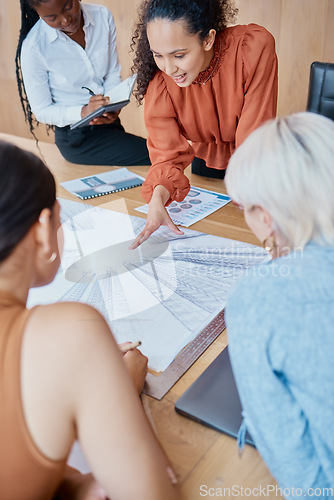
61	348
63	312
67	324
64	339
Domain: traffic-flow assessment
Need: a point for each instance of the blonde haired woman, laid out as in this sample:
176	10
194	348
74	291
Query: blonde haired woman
282	345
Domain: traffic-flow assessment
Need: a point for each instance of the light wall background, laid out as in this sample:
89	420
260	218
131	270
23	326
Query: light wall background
303	30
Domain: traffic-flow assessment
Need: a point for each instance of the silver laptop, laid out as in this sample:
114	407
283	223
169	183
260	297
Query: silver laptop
213	399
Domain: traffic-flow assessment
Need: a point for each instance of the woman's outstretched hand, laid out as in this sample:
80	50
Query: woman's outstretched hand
157	216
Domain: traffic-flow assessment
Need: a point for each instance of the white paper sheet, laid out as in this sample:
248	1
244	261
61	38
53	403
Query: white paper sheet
163	293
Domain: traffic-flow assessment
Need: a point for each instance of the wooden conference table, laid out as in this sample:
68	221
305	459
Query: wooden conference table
205	460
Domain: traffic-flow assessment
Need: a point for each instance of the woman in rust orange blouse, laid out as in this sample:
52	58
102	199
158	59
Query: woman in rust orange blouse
206	87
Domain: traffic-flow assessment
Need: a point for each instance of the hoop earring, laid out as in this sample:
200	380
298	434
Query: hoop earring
52	258
269	243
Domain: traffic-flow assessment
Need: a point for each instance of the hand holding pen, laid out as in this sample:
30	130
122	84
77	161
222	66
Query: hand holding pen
136	363
128	346
96	101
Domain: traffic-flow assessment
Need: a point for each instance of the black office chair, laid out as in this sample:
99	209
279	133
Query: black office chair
321	89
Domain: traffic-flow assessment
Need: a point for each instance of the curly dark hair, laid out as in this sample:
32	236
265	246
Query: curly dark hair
200	17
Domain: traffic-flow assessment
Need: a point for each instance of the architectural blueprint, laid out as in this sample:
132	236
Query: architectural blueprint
163	293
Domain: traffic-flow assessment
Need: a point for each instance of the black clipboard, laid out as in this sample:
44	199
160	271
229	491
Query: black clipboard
108	108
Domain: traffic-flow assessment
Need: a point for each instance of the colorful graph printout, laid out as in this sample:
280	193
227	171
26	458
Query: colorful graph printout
198	204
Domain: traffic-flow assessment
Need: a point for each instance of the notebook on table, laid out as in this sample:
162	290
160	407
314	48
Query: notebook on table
213	399
104	183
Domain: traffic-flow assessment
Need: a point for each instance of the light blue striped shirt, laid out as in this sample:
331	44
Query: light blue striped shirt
280	321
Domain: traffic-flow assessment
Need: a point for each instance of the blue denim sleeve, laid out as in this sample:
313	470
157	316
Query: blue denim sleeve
272	414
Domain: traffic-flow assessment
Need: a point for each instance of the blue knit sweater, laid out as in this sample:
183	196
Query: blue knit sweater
280	321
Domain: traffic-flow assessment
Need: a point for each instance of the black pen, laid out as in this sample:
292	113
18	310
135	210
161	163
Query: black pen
89	90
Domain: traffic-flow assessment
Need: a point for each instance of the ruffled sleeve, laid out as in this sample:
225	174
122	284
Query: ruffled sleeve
169	150
260	80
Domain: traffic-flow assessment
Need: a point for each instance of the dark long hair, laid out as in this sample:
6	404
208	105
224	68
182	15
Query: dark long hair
26	187
29	18
200	17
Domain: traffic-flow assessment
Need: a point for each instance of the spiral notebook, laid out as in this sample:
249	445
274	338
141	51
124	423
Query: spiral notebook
96	185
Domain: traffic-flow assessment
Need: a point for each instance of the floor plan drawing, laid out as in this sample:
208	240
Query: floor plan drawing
163	293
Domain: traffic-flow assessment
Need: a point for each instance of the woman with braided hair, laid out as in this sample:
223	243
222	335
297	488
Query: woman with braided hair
206	87
64	49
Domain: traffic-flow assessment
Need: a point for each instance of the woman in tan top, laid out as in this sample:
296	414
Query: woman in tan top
62	376
206	88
